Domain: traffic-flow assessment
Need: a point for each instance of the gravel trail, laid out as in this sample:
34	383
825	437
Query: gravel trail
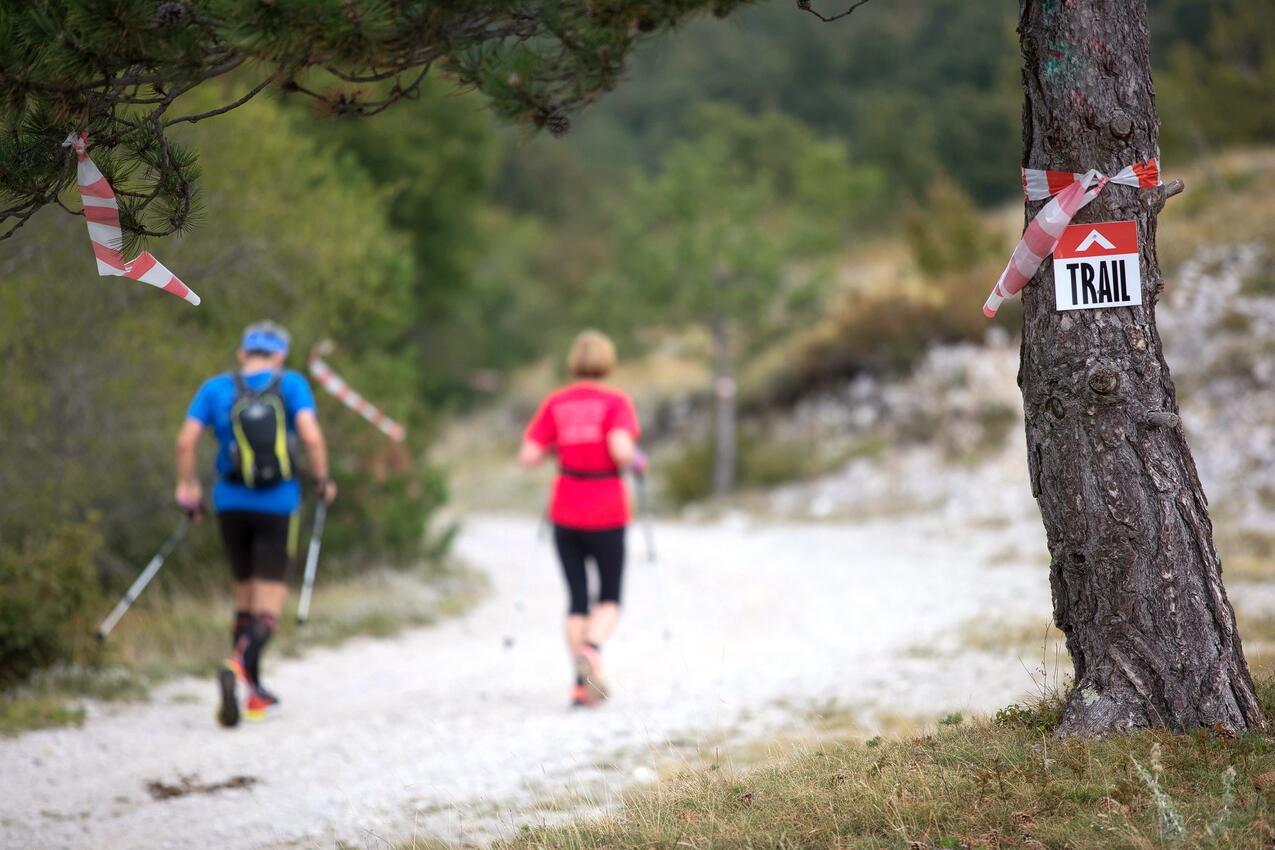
442	733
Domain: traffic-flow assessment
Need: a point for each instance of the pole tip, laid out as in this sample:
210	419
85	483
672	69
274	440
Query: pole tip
509	643
100	636
301	621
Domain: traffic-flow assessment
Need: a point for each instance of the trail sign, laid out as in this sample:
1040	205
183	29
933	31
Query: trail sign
1096	265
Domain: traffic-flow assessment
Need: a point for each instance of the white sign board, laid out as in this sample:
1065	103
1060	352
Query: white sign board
1096	265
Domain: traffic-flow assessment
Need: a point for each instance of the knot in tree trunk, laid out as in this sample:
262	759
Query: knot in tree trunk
1103	382
1121	127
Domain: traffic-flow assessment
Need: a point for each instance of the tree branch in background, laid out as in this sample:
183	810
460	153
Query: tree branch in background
252	92
805	6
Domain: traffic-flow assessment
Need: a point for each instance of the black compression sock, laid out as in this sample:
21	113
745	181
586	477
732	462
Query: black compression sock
240	632
262	628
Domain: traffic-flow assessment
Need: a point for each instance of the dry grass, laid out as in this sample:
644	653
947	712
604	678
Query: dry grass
164	636
182	634
1229	200
975	785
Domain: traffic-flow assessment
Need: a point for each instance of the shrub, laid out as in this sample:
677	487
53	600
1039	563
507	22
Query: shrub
761	461
48	596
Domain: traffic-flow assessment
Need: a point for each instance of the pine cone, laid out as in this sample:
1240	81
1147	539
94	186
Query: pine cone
559	124
170	14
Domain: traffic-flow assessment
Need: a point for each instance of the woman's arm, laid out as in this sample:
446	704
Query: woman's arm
623	448
531	454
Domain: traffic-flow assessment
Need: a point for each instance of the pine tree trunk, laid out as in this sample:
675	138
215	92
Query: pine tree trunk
1136	579
725	411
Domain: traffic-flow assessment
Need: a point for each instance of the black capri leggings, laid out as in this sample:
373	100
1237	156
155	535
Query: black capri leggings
606	548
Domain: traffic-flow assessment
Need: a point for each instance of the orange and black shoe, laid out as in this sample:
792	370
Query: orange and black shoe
260	704
589	671
580	697
227	684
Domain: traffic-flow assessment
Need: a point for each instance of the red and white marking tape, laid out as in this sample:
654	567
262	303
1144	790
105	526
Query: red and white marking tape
336	386
1070	192
102	213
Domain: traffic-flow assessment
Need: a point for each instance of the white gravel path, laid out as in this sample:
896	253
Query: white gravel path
442	733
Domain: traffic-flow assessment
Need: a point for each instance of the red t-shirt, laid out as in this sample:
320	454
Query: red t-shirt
575	421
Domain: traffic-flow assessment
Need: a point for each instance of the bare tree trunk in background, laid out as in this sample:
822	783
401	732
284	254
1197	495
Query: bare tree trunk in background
1136	579
725	409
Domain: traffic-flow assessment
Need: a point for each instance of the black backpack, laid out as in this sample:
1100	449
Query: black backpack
261	454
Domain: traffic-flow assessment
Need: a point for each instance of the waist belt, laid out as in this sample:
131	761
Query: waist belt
588	475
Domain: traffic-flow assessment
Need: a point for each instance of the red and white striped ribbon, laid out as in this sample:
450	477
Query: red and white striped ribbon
336	386
1039	185
1070	193
102	213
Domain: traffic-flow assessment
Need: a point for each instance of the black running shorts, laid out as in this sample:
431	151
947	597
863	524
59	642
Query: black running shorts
259	546
605	548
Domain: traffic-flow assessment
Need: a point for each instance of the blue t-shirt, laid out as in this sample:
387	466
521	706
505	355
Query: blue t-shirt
211	407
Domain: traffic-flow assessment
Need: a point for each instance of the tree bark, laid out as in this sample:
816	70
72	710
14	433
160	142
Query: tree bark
724	420
1135	576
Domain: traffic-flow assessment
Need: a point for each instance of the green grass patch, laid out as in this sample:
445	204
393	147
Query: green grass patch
26	712
969	783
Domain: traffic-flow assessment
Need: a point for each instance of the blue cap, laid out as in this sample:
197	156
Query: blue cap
266	336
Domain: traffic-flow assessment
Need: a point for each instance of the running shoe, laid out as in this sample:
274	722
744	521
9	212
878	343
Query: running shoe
228	711
260	703
589	669
580	697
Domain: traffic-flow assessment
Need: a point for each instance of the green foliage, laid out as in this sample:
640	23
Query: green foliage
916	88
948	235
118	70
1040	715
47	588
1219	88
712	237
689	478
97	372
432	163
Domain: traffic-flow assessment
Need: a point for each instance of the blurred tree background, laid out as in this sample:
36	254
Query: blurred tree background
442	249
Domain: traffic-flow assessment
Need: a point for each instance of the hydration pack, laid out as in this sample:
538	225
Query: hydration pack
260	454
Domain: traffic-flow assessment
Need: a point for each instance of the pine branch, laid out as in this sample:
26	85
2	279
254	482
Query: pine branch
805	6
234	104
115	70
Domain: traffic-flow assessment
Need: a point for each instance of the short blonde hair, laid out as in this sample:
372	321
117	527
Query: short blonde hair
592	355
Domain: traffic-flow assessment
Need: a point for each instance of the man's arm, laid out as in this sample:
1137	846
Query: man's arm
316	451
190	493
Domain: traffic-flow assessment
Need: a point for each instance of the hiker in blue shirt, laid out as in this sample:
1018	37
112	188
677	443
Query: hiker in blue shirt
256	413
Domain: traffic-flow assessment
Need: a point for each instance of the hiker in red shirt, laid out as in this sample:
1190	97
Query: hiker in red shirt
593	429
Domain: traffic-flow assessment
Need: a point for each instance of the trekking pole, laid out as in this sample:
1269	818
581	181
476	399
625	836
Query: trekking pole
312	561
140	583
515	614
644	509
